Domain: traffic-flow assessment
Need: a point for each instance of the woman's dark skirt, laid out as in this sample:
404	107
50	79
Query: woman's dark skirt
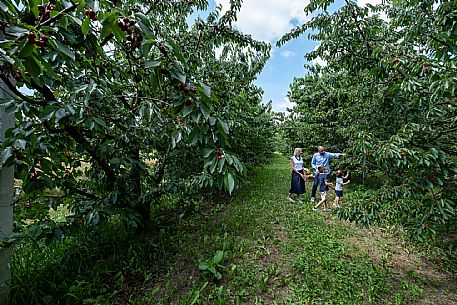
297	185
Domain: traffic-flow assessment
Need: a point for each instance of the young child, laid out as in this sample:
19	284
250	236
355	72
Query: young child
323	188
339	187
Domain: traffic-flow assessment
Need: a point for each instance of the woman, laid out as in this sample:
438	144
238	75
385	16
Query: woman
297	185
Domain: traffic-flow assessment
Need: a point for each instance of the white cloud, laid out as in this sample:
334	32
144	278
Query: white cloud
267	19
288	53
283	105
365	2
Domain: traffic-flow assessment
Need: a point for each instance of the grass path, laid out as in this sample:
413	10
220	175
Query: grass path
261	249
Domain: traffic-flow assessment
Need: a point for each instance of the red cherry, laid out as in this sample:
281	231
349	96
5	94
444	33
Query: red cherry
378	197
129	31
40	8
93	17
31	37
427	225
87	11
44	38
120	24
193	90
92	13
220	157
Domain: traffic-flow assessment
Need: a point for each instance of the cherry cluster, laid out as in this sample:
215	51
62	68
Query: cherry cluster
17	74
3	26
45	12
185	89
43	42
91	14
126	24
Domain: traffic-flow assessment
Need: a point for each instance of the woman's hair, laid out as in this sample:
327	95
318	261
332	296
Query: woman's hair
297	152
339	173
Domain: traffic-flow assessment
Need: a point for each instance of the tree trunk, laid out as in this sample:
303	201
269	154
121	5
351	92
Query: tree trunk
6	201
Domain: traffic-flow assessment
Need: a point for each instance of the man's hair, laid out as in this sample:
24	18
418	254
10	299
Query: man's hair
321	169
339	173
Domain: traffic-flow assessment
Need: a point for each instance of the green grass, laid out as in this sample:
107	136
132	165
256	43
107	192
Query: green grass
257	248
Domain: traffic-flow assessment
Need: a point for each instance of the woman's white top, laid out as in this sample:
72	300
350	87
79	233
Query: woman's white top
339	184
298	164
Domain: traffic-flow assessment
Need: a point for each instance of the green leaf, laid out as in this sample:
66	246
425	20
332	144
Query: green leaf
119	34
206	89
6	154
195	136
207	152
154	81
16	31
204	112
151	64
221	164
144	24
176	50
203	265
32	65
27	50
186	110
223	125
20	143
195	117
217	258
108	23
178	74
85	26
230	183
238	164
46	165
210	161
64	50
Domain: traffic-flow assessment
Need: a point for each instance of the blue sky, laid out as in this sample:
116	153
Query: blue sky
268	20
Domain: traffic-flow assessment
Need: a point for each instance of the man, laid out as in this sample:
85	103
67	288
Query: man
321	158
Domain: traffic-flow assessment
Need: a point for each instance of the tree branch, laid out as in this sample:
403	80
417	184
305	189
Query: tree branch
13	88
58	16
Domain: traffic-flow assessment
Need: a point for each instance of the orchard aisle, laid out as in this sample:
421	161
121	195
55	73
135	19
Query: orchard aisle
319	259
262	249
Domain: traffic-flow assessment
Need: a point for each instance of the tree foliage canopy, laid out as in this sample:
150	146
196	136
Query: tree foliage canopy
387	95
118	102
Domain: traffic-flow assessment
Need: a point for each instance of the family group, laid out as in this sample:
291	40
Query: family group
321	167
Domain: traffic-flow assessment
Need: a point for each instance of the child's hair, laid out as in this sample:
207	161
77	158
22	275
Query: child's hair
339	173
321	169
